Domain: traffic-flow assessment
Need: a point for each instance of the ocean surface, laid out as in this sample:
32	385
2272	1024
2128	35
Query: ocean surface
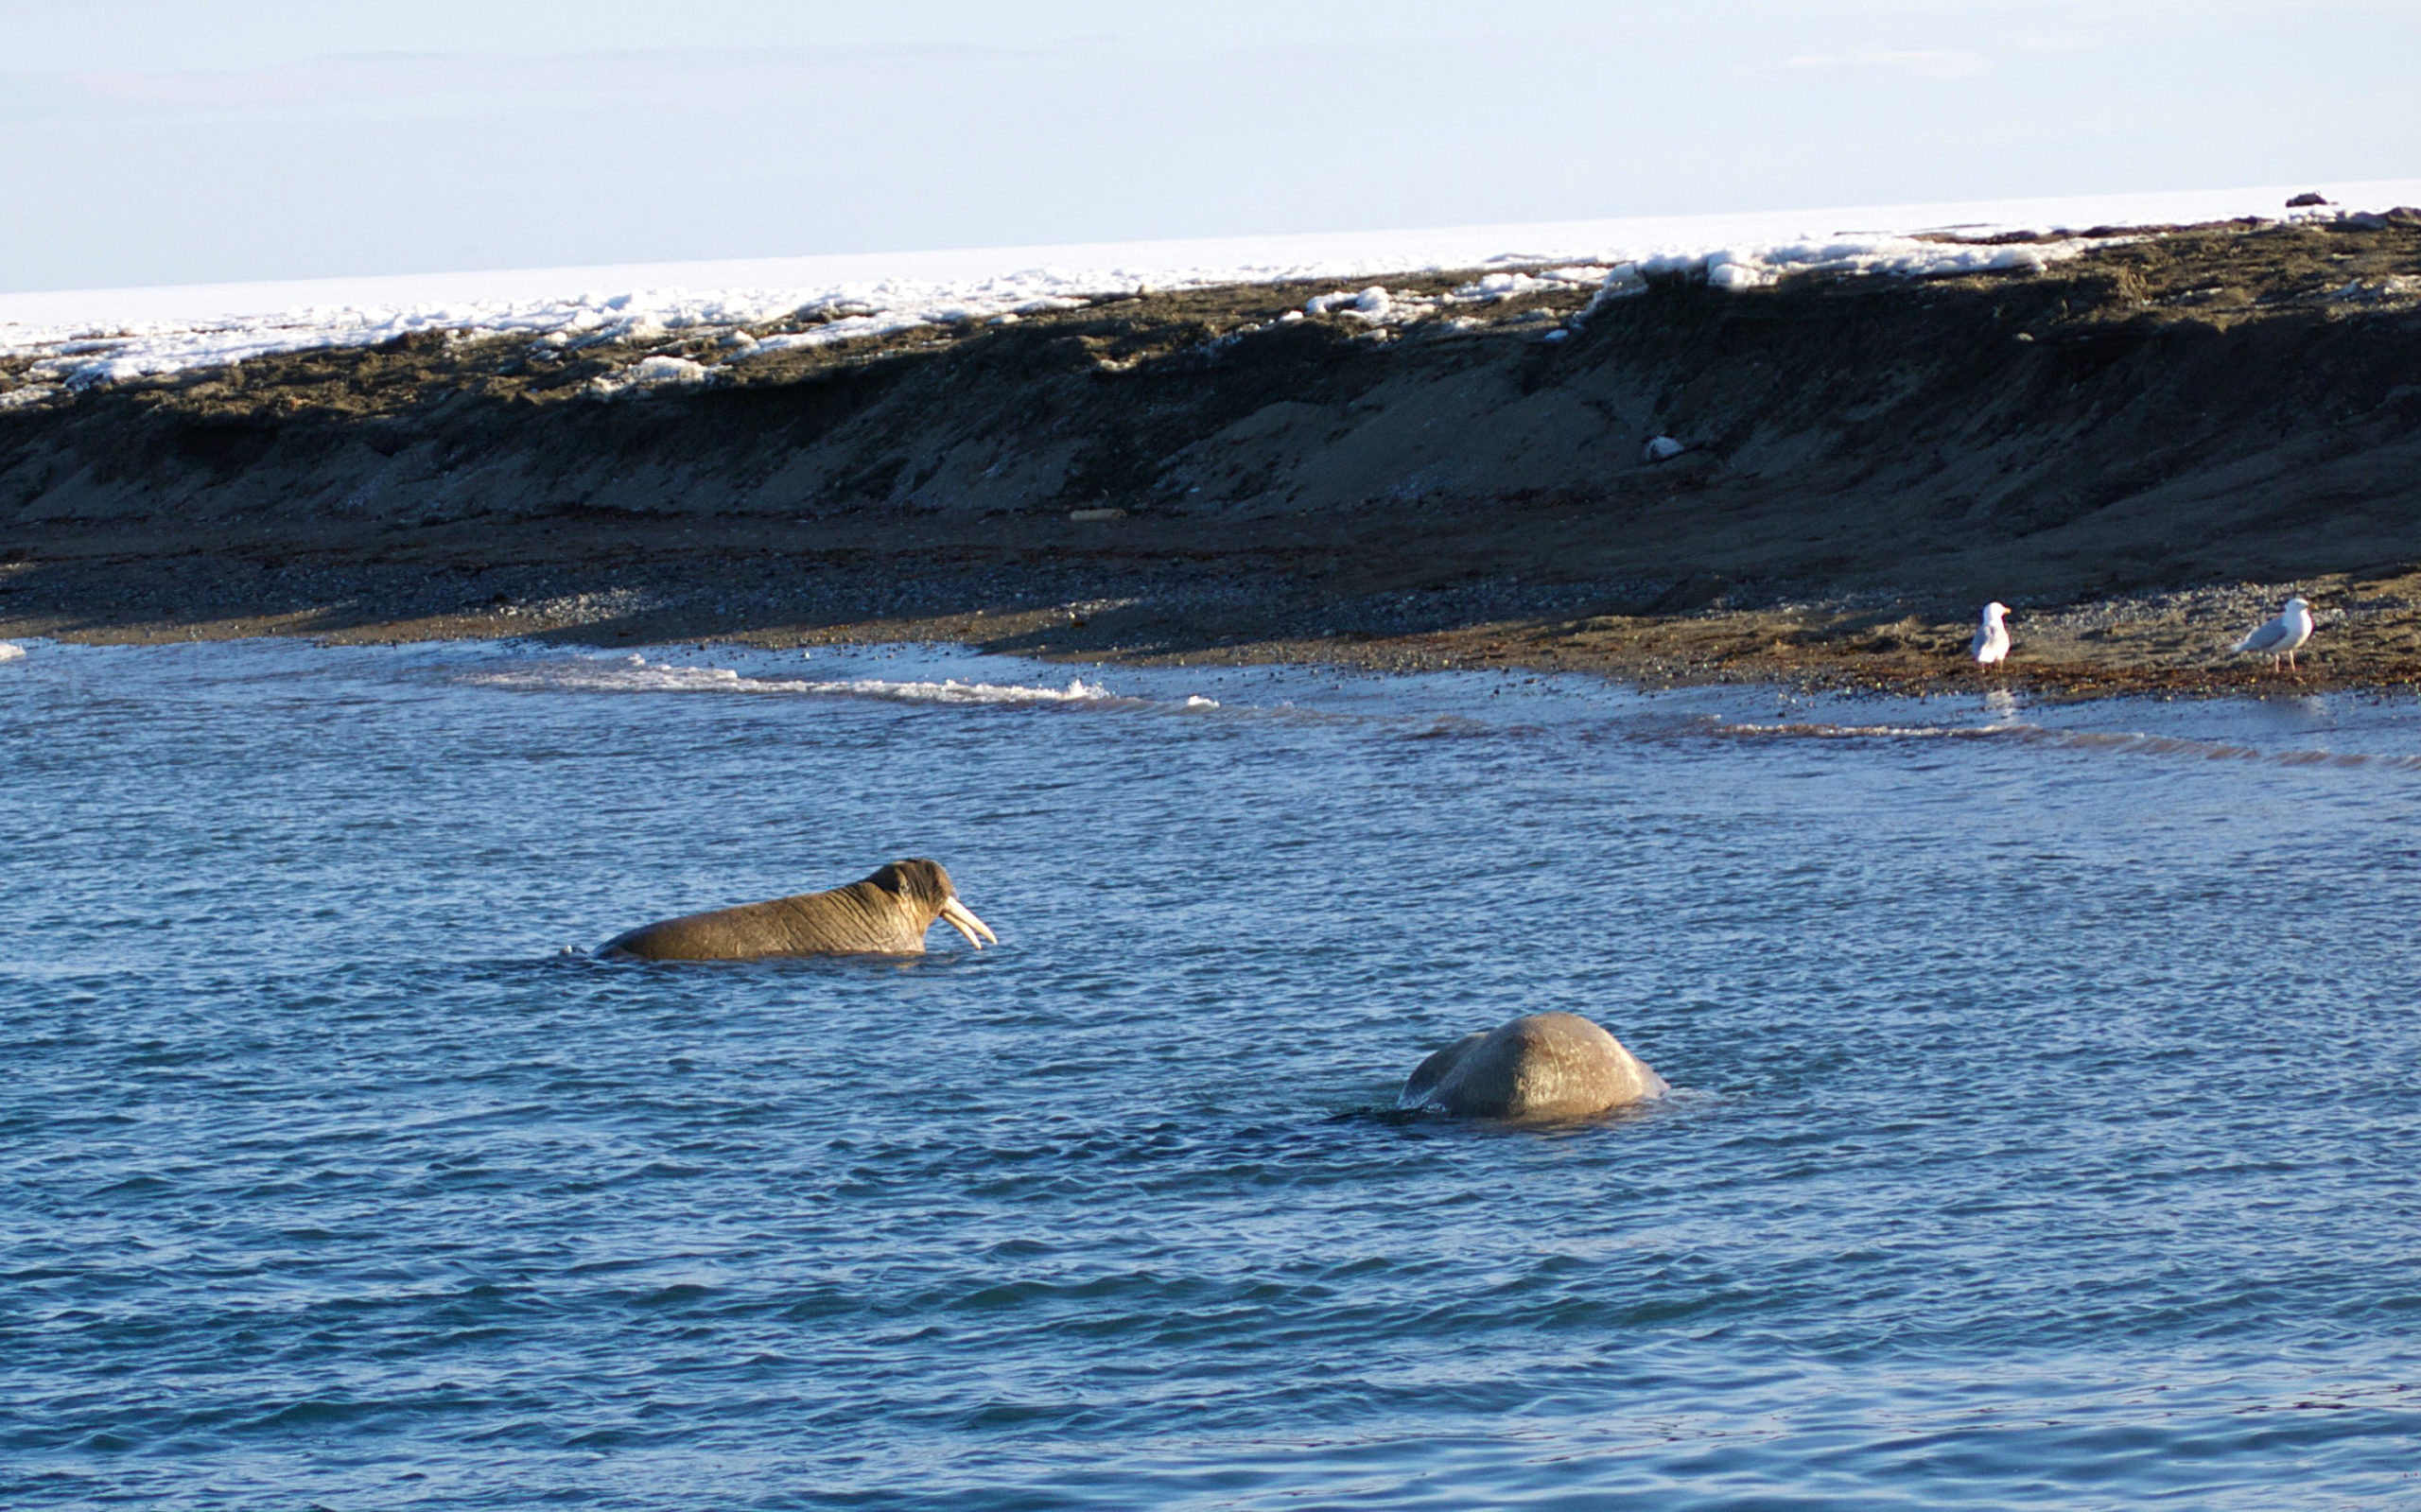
2045	1133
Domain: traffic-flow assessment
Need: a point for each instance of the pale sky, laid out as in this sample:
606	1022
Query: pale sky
144	142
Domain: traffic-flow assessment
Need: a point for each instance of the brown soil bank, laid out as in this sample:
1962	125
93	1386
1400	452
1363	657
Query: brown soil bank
2142	448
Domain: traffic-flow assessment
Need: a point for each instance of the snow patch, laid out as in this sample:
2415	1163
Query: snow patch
652	373
81	338
1372	303
1494	286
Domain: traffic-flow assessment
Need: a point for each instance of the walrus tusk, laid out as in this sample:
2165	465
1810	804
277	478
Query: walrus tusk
957	916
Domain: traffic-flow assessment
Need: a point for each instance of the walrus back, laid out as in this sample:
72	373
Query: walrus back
1539	1067
839	922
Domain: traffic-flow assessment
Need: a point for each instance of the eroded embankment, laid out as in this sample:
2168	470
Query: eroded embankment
1866	460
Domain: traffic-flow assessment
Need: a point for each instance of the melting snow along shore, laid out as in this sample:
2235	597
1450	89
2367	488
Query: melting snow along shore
79	339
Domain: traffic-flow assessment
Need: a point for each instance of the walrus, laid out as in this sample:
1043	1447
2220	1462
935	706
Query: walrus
1540	1067
886	914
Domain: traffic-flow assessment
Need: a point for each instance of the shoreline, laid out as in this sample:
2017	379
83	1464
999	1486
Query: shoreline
2157	644
2143	448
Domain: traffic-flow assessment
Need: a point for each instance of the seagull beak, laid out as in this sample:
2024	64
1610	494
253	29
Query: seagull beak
955	915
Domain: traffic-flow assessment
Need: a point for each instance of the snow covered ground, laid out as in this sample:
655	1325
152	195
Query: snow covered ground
81	338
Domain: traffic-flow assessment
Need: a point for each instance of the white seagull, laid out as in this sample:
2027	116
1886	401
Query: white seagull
1991	638
2280	636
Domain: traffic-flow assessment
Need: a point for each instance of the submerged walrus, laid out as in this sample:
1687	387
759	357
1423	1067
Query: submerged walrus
1539	1067
886	914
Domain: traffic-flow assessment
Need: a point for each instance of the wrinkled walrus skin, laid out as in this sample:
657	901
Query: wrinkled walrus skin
886	914
1540	1066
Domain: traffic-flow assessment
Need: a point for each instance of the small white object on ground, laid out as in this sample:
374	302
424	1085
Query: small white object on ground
1661	449
1992	636
11	651
656	372
1726	271
2280	636
1373	304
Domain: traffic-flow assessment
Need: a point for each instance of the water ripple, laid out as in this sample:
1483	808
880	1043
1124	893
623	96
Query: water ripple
2037	1139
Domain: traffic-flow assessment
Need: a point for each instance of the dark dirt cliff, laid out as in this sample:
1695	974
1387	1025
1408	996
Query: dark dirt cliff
2202	405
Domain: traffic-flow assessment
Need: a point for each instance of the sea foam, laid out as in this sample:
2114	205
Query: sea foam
636	675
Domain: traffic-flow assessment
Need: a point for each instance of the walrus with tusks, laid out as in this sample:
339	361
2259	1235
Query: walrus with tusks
1538	1068
886	914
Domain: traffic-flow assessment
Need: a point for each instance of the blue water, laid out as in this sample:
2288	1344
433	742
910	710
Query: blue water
2046	1132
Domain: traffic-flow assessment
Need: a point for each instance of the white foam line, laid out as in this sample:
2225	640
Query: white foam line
1865	732
949	690
636	675
2132	744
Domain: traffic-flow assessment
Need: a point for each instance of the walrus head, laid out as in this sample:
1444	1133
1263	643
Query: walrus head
924	884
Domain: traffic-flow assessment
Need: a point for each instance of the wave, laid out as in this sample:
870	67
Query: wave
2126	742
1813	730
636	675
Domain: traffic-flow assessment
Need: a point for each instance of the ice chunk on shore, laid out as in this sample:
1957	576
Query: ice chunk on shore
652	373
1494	286
1370	303
1661	450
